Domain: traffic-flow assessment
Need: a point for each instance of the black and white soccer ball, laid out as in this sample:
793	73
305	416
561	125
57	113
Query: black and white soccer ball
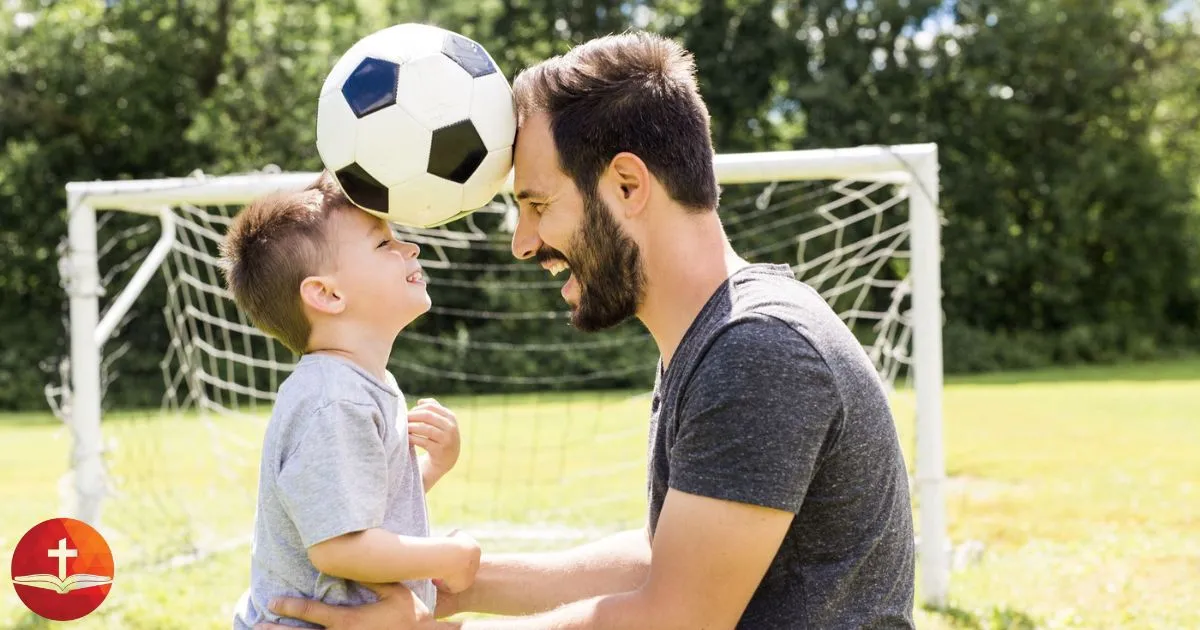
417	124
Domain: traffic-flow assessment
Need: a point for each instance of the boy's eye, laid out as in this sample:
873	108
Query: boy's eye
384	243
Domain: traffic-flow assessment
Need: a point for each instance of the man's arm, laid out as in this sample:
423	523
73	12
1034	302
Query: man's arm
709	557
521	584
377	555
333	485
512	584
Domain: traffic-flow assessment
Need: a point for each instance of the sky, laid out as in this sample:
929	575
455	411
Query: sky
1183	7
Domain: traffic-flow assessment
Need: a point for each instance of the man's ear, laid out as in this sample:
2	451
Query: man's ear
629	182
321	294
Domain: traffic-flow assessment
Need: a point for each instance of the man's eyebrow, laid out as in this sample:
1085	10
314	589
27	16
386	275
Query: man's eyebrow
527	193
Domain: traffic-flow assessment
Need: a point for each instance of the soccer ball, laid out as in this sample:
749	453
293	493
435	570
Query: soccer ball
417	125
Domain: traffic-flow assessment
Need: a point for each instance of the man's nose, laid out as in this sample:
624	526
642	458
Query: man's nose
525	240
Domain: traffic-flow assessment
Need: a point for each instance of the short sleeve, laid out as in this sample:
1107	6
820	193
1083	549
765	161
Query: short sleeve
334	479
754	417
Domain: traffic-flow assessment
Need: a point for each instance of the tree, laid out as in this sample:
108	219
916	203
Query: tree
139	89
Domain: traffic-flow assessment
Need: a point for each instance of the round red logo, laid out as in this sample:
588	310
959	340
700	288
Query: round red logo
62	569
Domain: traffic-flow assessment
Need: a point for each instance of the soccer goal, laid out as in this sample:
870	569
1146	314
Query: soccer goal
554	421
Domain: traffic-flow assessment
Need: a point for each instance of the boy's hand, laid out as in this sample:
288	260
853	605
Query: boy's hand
435	429
463	564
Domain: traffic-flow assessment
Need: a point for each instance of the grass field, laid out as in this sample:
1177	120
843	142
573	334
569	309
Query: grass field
1082	487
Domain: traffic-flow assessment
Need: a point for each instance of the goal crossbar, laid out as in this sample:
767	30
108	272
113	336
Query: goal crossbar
895	164
914	167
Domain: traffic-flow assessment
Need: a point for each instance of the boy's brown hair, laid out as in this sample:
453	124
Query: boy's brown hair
272	245
632	92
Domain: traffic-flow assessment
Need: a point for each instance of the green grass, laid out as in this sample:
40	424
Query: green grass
1081	484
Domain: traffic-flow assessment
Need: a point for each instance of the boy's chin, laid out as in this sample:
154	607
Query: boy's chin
413	310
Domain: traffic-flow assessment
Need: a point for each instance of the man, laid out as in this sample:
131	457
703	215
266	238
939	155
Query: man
778	493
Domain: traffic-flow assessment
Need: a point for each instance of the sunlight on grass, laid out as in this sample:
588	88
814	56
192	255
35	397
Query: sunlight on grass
1082	493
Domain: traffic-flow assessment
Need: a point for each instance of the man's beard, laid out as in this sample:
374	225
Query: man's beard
607	266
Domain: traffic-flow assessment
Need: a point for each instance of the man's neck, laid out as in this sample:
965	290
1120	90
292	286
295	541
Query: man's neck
685	265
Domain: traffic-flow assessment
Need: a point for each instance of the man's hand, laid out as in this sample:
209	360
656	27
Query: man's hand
434	428
397	609
459	575
448	604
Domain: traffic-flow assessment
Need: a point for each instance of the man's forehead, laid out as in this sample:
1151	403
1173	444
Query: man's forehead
535	168
534	145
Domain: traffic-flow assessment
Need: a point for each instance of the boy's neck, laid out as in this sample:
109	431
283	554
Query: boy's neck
357	345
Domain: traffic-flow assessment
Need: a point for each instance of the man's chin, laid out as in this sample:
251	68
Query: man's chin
593	322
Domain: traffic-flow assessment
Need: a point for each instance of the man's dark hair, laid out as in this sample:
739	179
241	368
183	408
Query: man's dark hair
633	92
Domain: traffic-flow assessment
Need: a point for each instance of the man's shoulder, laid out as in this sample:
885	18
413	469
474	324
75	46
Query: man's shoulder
767	310
770	293
757	333
765	321
753	349
756	314
773	290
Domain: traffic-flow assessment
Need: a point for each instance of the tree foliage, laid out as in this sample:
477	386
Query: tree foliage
1067	132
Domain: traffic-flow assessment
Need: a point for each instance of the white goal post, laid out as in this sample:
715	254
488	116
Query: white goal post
912	169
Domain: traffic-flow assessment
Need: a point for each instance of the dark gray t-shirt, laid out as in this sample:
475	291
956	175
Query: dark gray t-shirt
770	400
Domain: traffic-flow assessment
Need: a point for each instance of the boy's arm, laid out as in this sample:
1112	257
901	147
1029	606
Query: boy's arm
333	484
434	428
429	473
377	555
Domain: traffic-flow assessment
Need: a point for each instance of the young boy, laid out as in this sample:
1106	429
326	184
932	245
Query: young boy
341	492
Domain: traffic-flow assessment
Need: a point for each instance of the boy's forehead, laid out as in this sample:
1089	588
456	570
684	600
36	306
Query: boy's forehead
356	222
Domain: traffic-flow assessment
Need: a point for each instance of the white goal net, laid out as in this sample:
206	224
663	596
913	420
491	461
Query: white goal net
553	420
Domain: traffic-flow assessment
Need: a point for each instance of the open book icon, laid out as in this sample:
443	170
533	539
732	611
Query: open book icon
62	586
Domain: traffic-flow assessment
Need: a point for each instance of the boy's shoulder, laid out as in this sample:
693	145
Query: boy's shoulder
320	375
320	381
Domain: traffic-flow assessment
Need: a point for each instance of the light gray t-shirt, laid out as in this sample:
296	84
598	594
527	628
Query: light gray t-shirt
336	459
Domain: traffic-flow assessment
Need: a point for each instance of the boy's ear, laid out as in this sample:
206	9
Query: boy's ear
321	293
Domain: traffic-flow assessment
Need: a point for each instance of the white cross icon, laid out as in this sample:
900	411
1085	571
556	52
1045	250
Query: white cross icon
62	553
